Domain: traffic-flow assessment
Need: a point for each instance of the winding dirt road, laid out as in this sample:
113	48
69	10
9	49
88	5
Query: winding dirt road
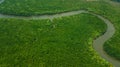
97	43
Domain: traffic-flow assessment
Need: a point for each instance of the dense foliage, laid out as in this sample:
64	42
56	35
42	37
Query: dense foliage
38	7
112	47
35	7
63	42
116	0
110	10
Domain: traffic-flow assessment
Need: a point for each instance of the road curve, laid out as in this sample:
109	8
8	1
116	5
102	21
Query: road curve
97	43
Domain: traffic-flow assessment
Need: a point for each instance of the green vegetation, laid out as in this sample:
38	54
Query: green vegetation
111	10
39	7
112	47
116	0
28	34
63	42
35	7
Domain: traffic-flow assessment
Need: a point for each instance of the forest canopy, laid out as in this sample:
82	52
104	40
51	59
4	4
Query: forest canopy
116	0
